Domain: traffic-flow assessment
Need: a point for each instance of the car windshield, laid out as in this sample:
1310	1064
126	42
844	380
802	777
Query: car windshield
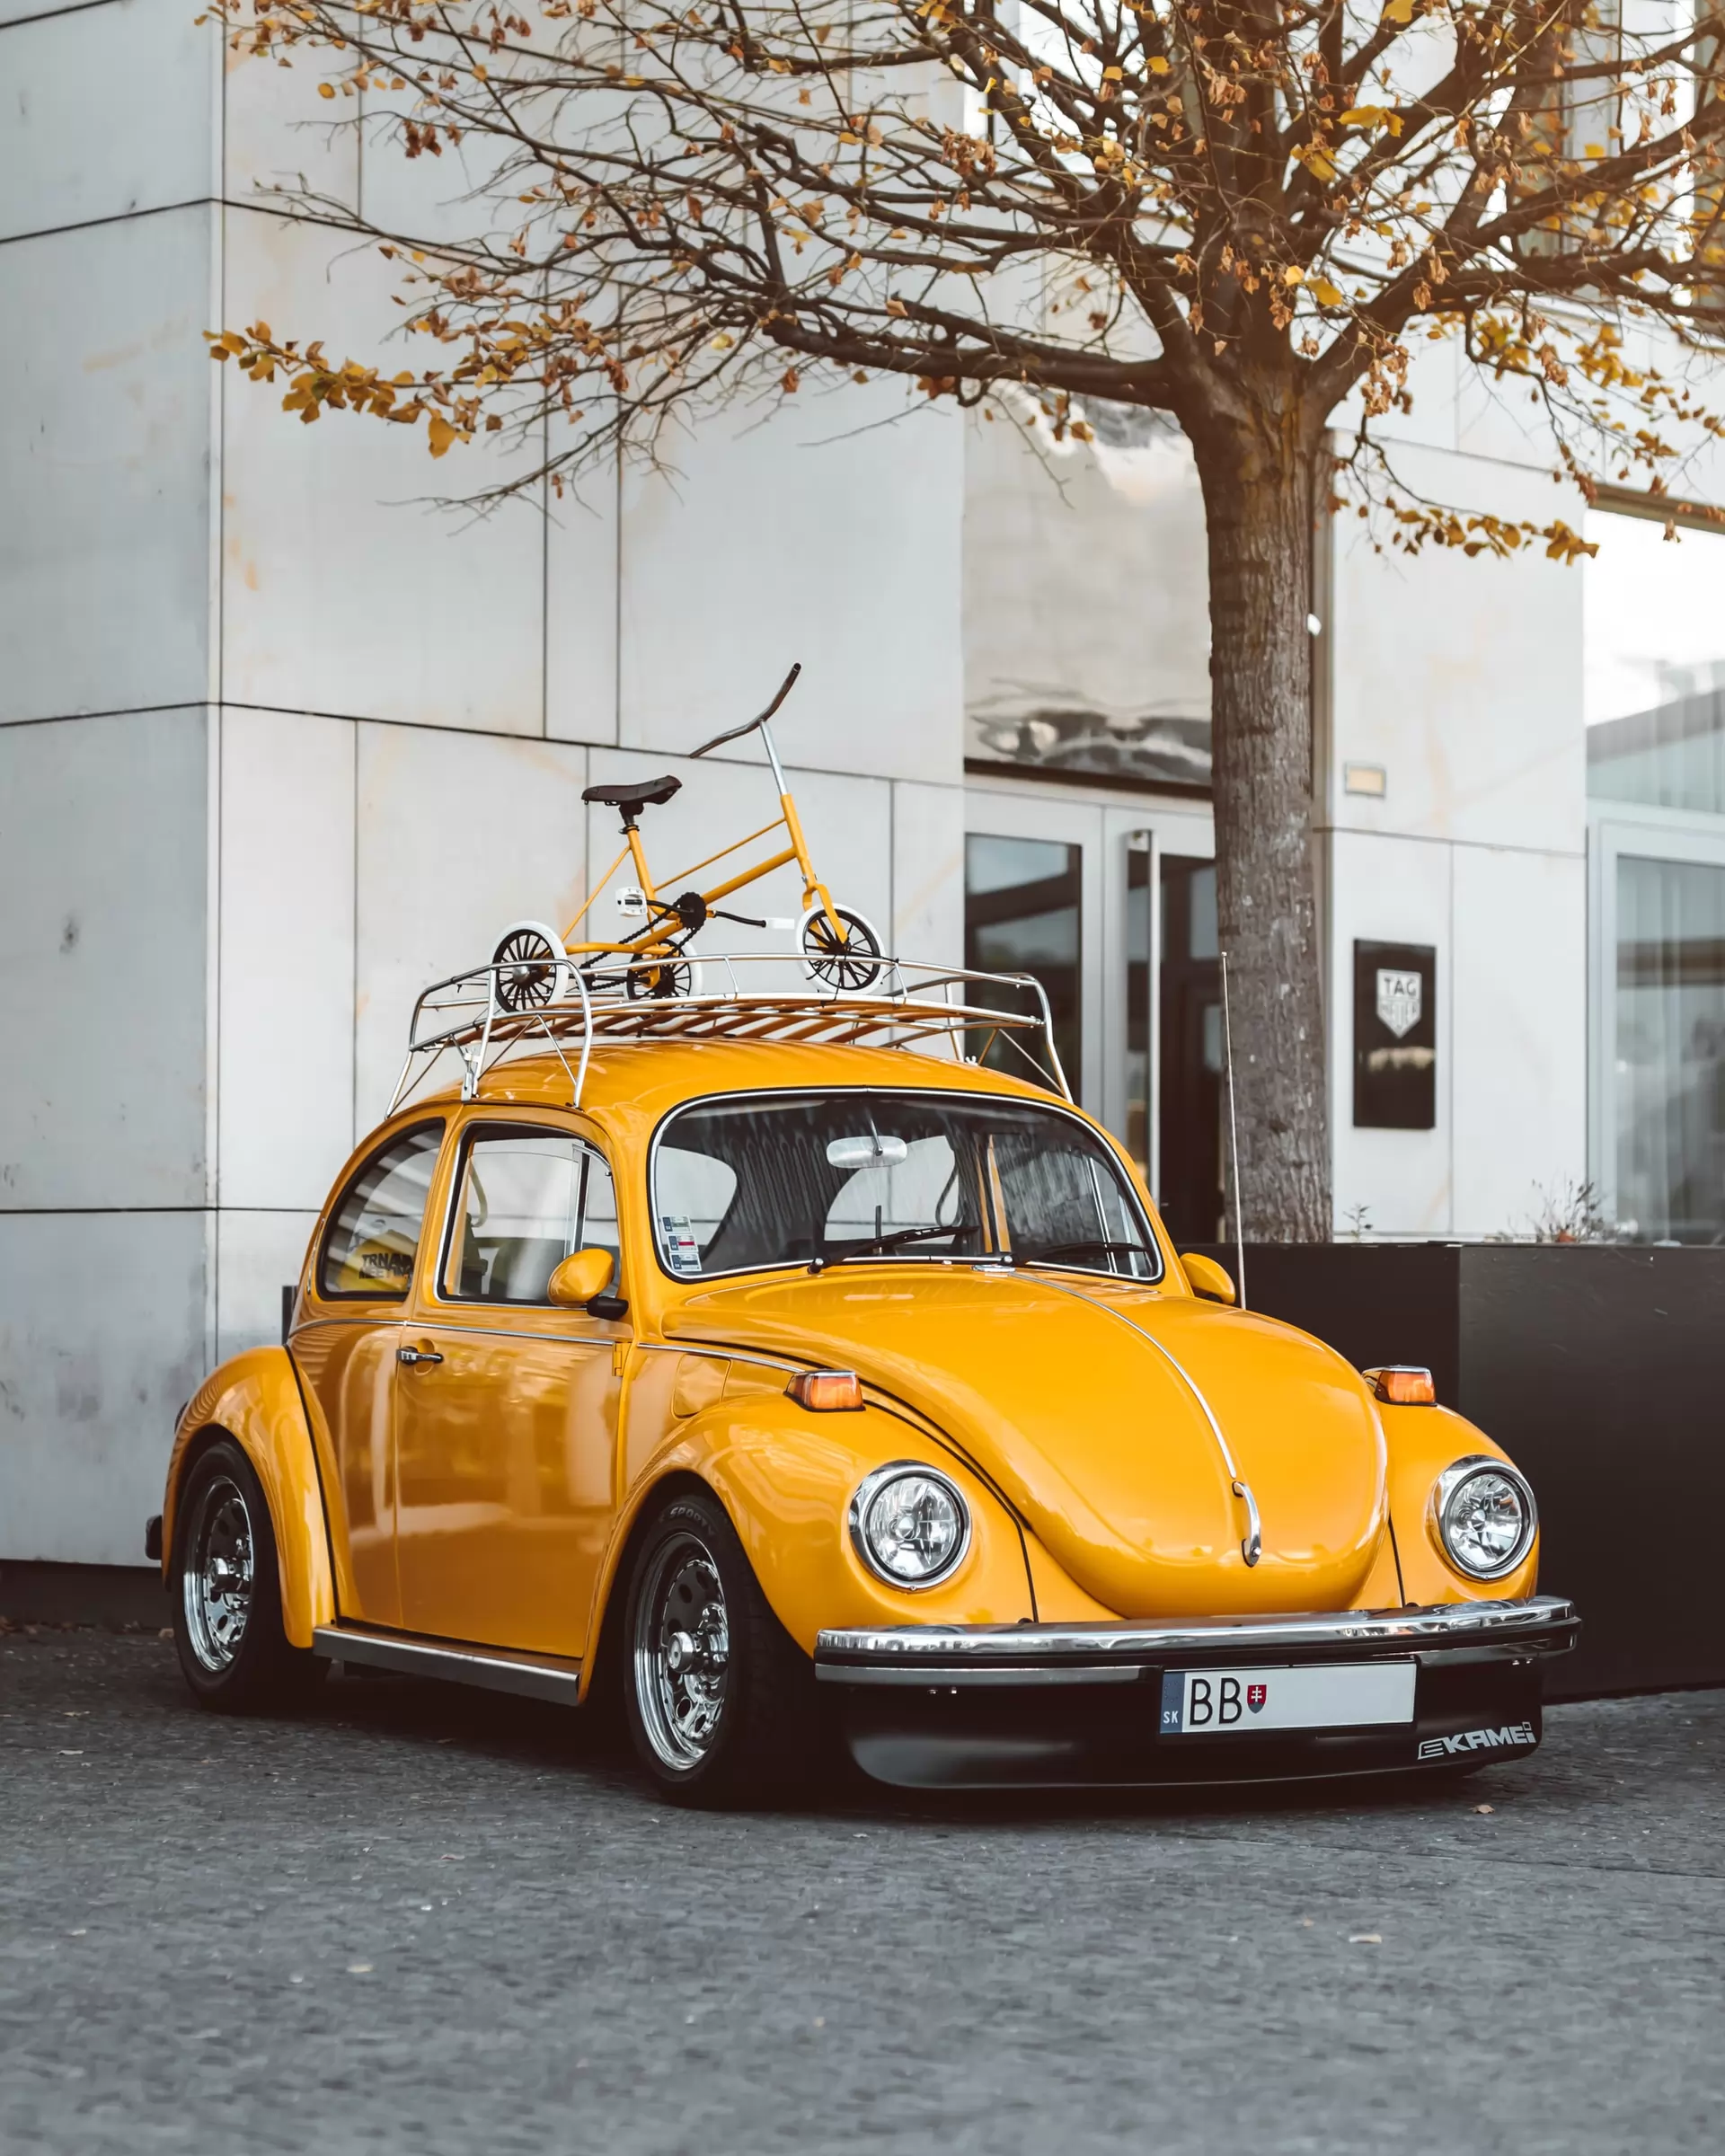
814	1178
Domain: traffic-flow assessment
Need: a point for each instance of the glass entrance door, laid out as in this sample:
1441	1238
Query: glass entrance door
1188	1003
1023	913
1658	1014
1114	909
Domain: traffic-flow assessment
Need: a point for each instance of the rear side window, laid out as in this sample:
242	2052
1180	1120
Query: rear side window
374	1238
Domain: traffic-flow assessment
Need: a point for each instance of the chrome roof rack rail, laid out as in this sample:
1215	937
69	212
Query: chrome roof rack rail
909	1005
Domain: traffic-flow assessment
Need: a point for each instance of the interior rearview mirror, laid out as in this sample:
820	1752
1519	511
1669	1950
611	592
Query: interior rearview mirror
868	1150
1208	1277
579	1278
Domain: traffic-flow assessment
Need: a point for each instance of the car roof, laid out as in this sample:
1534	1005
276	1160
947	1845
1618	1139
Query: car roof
646	1079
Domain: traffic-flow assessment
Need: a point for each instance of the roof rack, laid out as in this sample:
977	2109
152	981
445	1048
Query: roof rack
907	1005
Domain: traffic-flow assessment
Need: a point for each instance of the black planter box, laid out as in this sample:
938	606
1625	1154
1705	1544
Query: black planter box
1599	1369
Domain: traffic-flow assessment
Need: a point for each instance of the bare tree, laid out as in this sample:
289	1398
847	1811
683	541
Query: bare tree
1238	212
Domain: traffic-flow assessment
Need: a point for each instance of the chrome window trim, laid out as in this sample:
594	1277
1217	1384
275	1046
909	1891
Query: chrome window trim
863	1496
467	1136
1516	1627
927	1092
1444	1487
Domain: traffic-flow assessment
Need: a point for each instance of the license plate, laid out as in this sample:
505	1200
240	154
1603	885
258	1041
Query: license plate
1244	1702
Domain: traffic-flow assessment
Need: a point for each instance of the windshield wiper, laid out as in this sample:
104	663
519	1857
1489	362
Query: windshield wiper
875	1244
1084	1242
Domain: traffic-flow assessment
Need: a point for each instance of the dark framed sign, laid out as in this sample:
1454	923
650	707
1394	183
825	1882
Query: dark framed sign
1395	1036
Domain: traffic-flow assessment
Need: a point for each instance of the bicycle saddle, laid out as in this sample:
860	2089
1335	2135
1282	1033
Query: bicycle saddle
648	794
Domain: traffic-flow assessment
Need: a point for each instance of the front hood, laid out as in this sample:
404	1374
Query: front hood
1083	1401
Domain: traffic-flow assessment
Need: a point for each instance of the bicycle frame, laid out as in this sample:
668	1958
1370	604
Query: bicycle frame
665	923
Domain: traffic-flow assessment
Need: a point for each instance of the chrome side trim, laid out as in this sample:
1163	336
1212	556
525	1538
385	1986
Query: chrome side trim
1543	1624
936	1677
491	1669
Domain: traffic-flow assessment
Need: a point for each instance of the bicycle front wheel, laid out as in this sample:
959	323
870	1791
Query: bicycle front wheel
848	958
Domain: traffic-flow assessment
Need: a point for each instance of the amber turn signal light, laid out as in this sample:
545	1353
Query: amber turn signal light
1402	1385
826	1391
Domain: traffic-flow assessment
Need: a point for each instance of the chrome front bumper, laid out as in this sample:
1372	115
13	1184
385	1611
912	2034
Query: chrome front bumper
989	1655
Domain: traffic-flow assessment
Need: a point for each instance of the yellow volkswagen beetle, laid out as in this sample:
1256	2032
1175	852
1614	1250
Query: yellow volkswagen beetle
791	1381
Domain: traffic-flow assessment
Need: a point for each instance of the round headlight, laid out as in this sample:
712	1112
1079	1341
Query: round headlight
1483	1516
910	1526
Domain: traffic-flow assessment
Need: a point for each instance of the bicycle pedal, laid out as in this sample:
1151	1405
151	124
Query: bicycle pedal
632	903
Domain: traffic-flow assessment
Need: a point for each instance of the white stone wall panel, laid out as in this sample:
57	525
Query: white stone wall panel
287	956
458	837
103	920
88	1387
346	590
257	1255
105	111
1462	678
1392	890
928	872
104	545
823	535
1519	1001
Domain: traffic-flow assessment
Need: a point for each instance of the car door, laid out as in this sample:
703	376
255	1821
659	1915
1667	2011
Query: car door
506	1408
345	1346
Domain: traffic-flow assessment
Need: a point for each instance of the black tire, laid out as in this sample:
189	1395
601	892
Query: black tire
233	1654
849	960
751	1732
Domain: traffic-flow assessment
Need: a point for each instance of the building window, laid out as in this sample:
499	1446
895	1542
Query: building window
1654	684
1654	644
1021	899
1669	1050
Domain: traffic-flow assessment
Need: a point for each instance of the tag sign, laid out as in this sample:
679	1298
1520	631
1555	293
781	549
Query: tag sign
1395	1036
870	1151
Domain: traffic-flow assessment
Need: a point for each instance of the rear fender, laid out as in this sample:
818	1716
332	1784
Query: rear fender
254	1399
1421	1443
786	1477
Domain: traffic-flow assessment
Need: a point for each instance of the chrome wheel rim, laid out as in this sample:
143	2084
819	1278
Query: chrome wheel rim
682	1652
217	1575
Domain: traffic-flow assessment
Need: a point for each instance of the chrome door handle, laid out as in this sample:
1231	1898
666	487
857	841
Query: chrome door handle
418	1355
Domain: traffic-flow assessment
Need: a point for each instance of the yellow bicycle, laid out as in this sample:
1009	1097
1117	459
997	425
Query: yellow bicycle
837	946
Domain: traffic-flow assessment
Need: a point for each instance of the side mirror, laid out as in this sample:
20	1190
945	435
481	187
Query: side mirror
580	1280
1208	1277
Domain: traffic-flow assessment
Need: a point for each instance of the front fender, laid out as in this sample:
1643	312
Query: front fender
1422	1442
254	1399
786	1478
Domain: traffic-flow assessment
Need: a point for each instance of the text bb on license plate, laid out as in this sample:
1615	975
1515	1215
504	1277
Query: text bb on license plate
1245	1702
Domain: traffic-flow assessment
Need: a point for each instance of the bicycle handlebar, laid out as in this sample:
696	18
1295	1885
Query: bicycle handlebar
737	732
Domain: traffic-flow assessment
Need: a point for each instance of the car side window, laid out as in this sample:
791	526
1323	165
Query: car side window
374	1235
528	1200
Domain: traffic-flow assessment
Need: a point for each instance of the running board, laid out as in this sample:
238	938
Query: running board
492	1668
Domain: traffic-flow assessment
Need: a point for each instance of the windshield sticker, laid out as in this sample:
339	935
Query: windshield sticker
682	1251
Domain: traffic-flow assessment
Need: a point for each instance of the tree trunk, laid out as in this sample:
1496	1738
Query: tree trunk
1259	498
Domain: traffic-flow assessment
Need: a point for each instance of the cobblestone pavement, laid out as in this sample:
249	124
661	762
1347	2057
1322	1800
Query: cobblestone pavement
433	1921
